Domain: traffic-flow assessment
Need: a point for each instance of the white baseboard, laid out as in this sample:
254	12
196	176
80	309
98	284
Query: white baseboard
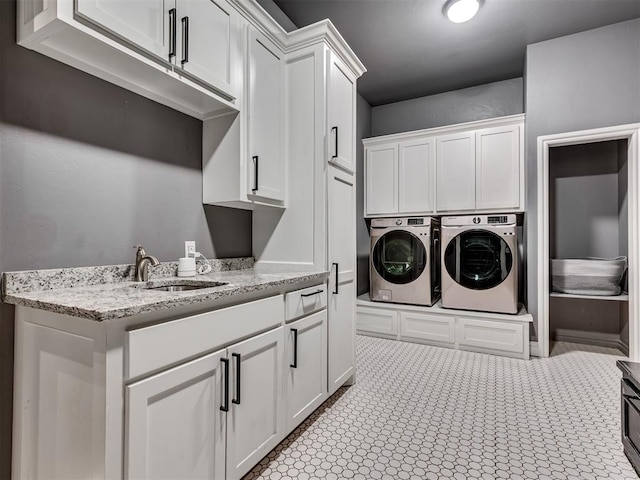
534	349
610	340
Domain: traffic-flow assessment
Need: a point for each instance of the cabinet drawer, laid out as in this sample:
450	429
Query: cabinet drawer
440	329
151	348
376	321
305	301
494	336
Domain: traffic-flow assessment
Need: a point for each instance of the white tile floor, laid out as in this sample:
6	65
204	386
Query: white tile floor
421	412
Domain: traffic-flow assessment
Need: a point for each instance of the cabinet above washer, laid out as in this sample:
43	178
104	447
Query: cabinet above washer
463	168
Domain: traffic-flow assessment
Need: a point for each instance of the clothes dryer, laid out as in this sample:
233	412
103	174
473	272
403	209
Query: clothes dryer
479	263
404	266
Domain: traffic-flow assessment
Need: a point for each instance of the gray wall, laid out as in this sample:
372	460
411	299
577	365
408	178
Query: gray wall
277	14
363	130
496	99
582	81
87	170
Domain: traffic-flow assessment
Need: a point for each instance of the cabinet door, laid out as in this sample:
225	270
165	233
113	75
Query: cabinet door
381	195
416	183
207	32
456	172
255	421
498	167
265	76
144	23
342	290
305	367
174	425
341	114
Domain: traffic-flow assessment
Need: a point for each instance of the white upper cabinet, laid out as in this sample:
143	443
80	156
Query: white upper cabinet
465	168
144	23
416	169
182	53
498	167
267	175
205	46
456	167
197	36
382	179
341	113
243	160
399	177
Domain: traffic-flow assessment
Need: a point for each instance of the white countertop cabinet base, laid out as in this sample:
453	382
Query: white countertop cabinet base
89	404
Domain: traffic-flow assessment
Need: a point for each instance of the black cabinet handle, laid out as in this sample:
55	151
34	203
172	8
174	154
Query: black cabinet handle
255	177
295	348
336	141
238	360
185	40
225	406
311	294
172	33
336	287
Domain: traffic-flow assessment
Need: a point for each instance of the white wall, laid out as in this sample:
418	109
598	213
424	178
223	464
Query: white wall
582	81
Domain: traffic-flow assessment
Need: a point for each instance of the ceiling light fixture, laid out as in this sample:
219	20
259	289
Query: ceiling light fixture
460	11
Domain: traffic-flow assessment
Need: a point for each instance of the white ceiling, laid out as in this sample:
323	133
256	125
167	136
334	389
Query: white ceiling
410	49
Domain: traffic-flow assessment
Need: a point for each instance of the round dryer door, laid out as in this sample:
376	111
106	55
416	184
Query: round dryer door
399	257
478	259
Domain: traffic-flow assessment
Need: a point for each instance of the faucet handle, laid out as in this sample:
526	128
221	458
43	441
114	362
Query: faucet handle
140	252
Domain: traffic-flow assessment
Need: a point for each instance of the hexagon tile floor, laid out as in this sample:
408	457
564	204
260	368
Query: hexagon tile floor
421	412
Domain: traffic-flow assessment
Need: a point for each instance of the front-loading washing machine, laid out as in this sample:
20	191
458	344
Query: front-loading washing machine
479	263
404	265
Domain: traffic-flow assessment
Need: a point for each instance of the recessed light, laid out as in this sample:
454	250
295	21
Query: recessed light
460	11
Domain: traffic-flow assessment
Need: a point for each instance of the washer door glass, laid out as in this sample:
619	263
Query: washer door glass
478	259
399	257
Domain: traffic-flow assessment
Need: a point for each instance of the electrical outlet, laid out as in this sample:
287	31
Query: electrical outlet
190	248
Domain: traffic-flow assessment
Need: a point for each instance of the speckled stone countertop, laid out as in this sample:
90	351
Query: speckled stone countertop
109	292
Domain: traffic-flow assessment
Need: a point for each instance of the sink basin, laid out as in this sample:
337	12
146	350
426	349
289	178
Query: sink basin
181	287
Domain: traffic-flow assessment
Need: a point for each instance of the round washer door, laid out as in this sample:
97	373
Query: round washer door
399	257
478	259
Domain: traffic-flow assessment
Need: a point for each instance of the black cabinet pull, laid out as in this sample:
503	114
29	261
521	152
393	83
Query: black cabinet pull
255	177
185	40
336	287
295	348
336	141
225	395
311	294
238	360
172	33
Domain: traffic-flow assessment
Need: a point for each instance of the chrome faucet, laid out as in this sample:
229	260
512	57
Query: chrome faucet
143	260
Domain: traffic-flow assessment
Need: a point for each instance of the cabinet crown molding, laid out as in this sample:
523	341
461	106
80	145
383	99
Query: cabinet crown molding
322	31
457	127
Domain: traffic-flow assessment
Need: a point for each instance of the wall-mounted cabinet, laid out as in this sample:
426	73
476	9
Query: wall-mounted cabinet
183	54
397	176
471	167
243	154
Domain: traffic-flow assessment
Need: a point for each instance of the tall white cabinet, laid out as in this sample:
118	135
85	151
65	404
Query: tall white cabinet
342	282
317	229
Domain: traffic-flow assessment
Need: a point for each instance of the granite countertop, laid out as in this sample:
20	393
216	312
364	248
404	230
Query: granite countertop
107	293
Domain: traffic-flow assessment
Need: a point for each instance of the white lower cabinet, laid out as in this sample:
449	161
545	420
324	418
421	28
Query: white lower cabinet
488	334
201	396
305	367
438	329
174	425
254	400
378	322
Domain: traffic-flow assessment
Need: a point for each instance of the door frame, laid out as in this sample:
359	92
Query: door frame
631	133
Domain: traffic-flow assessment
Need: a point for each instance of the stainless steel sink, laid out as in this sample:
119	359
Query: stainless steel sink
181	287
